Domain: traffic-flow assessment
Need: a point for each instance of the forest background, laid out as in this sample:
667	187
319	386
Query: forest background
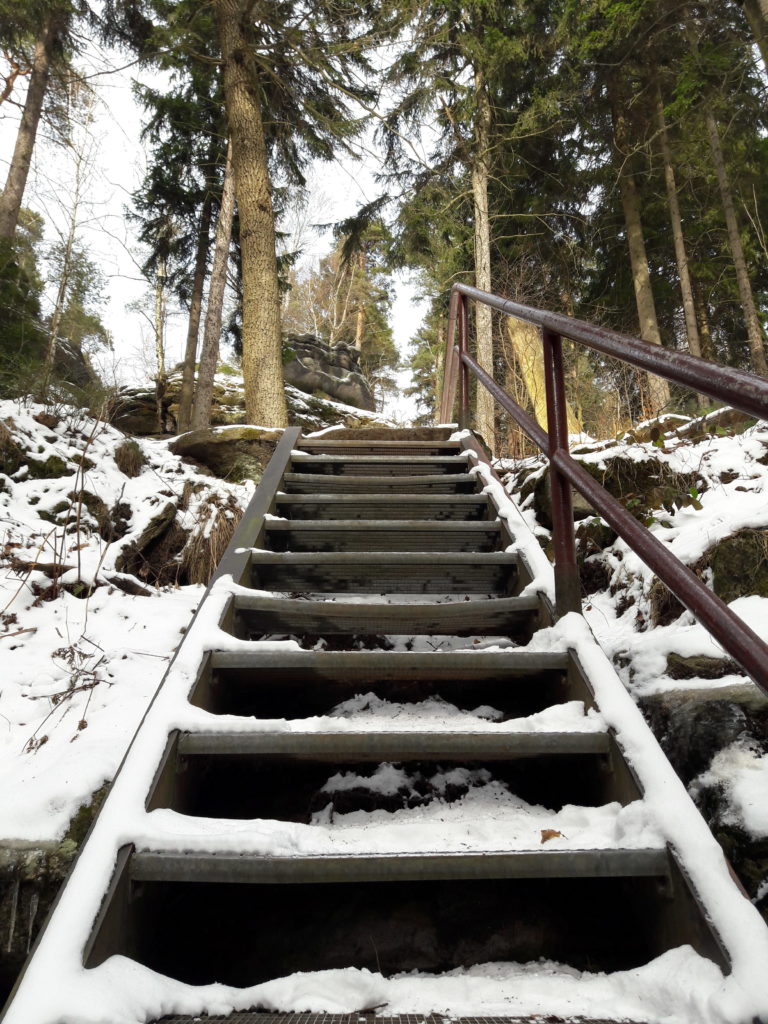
604	159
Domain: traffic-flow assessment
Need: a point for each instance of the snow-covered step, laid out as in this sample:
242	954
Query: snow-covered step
378	465
385	572
259	615
350	446
384	535
469	689
436	690
291	775
383	506
242	920
348	483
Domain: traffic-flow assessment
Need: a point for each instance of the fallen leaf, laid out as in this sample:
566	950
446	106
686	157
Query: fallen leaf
550	833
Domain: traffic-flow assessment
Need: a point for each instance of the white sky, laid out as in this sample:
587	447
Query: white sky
119	164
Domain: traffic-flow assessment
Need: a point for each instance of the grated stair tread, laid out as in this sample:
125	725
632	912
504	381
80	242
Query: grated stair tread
256	1017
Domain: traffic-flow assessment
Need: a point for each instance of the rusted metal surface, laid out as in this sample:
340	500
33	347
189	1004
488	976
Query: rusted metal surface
744	645
450	364
463	372
567	586
742	390
739	388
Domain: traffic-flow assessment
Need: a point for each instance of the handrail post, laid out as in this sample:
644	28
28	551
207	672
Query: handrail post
567	585
463	370
448	389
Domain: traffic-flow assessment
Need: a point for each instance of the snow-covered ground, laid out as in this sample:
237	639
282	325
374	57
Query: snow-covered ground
78	671
728	477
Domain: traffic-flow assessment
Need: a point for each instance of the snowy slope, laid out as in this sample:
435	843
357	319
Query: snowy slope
78	671
725	475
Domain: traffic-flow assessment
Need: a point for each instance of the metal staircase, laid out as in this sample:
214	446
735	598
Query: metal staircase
377	574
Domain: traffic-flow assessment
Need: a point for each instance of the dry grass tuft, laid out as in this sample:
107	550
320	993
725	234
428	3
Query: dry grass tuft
217	523
129	458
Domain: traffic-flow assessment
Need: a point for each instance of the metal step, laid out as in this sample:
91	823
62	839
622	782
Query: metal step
323	446
502	616
349	483
229	868
378	465
406	746
384	572
303	684
382	535
241	920
303	1017
382	506
284	776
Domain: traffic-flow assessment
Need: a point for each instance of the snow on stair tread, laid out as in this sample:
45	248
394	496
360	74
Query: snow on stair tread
429	716
487	819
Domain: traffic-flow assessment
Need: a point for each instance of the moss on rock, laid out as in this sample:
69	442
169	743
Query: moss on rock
235	453
738	566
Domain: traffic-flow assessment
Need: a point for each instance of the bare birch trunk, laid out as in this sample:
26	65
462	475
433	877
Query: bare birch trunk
262	344
483	318
195	311
209	357
360	317
58	309
13	193
754	331
658	389
160	344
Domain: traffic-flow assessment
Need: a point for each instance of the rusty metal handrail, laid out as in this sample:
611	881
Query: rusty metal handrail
744	391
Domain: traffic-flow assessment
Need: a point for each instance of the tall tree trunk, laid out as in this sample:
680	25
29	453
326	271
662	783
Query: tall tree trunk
527	353
160	343
195	309
262	345
681	256
756	13
58	309
483	318
360	316
705	329
209	357
13	193
754	331
658	389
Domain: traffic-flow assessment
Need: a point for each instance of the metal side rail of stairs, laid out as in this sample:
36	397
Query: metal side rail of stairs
360	757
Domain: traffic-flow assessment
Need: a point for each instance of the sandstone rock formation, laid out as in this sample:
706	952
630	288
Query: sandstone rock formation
333	370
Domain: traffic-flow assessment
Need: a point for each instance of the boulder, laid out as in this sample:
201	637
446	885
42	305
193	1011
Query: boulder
693	725
134	409
737	566
333	370
640	485
234	453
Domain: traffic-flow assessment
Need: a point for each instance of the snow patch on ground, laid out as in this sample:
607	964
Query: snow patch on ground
741	771
78	672
679	987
